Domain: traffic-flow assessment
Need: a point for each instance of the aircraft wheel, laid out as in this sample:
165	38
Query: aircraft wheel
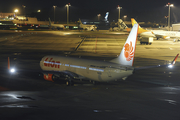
54	77
69	83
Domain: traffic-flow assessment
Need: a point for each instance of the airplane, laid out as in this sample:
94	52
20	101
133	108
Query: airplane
87	27
54	67
55	26
121	26
157	33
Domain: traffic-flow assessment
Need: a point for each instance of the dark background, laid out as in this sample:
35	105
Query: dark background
151	10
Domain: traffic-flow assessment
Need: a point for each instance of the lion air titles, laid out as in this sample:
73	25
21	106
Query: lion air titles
51	63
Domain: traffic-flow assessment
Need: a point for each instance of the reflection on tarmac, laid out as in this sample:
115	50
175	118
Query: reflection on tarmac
147	94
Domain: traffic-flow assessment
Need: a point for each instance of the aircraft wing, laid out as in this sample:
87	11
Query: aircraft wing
168	65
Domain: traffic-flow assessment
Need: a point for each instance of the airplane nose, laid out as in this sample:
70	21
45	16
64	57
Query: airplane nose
41	63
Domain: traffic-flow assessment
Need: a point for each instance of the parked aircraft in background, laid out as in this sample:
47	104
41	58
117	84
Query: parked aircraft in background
157	33
121	26
87	27
55	26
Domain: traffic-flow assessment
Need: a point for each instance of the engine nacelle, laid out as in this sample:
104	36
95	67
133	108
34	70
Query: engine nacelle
48	77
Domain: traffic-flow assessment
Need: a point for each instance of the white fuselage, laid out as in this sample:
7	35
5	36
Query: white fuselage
171	34
57	25
94	70
161	34
88	27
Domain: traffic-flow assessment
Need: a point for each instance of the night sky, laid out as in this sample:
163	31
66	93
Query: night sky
147	10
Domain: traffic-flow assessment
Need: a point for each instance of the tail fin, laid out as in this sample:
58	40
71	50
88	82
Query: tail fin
80	21
106	16
133	21
49	22
174	61
140	29
126	56
122	25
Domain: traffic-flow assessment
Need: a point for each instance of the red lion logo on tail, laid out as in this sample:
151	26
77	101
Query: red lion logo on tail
128	51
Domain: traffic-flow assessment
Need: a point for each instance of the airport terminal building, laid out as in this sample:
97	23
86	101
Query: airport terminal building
6	15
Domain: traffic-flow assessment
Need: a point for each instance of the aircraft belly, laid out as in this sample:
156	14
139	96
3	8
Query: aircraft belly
104	76
92	73
122	74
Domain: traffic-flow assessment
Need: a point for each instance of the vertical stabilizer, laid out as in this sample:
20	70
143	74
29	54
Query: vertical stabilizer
122	25
49	22
126	56
133	21
80	21
106	16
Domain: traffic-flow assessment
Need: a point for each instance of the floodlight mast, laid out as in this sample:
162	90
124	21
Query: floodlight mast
169	5
54	12
118	7
67	5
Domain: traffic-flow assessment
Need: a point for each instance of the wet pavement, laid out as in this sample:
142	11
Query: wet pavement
147	94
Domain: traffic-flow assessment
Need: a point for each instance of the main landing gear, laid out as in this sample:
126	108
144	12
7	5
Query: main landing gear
69	81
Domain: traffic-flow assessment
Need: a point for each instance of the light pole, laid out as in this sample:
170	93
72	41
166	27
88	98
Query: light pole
24	11
99	15
15	12
67	5
169	5
166	19
125	16
119	10
54	13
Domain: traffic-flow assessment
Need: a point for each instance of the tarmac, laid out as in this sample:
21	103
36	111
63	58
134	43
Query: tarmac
147	94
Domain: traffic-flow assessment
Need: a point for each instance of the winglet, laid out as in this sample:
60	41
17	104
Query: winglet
11	70
174	61
8	64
